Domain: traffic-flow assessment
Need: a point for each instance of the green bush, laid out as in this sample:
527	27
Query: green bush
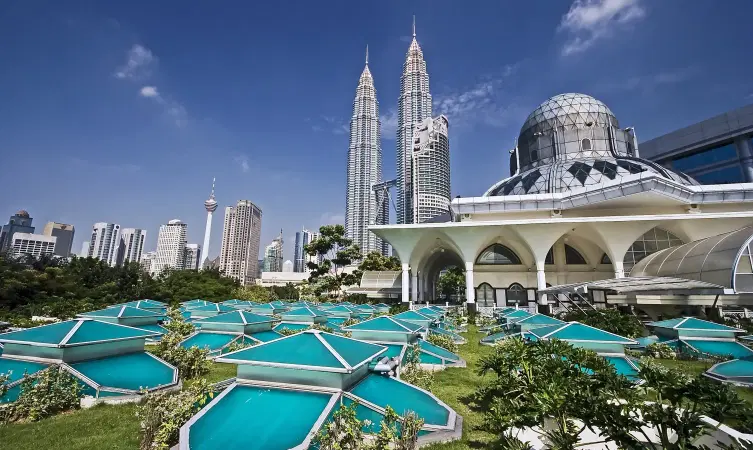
162	414
349	322
191	362
49	392
413	373
611	320
288	331
4	377
442	340
238	345
660	350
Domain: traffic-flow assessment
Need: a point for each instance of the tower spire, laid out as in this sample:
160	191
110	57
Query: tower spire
414	25
367	54
212	194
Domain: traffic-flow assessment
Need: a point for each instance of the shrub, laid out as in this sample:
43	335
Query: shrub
177	324
398	308
442	340
350	322
238	345
49	392
4	377
321	327
346	432
413	373
162	414
288	331
611	320
190	362
660	350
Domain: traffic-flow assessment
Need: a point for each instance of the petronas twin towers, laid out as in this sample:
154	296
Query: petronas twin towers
423	175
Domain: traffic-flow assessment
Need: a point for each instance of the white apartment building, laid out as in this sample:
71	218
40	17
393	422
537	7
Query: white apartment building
192	256
84	249
132	244
171	246
104	242
239	255
35	245
147	260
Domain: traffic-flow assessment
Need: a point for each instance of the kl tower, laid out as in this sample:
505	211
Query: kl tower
211	207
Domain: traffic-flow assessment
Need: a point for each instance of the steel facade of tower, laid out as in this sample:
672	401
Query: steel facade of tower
414	106
364	165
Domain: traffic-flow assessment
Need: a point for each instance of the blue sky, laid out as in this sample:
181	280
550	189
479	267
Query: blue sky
124	111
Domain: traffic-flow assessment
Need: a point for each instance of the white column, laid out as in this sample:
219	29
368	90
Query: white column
405	285
470	289
541	280
619	269
205	248
414	289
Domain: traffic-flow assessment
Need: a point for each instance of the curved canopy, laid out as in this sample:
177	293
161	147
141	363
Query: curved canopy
724	259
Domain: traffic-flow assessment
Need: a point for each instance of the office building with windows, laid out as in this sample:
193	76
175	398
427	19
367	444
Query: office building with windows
19	222
35	245
273	255
718	150
192	257
300	257
84	249
430	169
241	235
171	247
131	245
105	242
64	234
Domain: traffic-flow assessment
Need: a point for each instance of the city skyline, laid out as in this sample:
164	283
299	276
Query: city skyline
267	117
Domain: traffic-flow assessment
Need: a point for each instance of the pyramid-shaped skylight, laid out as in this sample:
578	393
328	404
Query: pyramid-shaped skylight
385	324
120	312
145	304
539	319
237	318
341	308
213	307
306	311
692	323
429	312
578	332
413	315
74	332
309	350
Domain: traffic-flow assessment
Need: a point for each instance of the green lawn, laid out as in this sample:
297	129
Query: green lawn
101	427
455	386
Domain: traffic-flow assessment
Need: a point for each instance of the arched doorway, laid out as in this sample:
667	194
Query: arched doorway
516	295
485	295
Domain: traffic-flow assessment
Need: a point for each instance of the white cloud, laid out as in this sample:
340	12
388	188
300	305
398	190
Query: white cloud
587	21
330	218
149	91
336	125
138	63
242	161
651	81
388	122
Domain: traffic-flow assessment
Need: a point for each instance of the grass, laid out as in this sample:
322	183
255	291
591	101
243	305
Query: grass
101	427
455	386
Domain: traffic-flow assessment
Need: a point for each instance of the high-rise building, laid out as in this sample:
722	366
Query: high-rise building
287	266
84	249
300	258
192	257
147	261
105	242
413	107
64	234
19	222
364	165
430	187
211	206
171	247
273	255
35	245
239	255
131	245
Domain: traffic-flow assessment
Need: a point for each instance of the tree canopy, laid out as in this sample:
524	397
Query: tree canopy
334	252
451	283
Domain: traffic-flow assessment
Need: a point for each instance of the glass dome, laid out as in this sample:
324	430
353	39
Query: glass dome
574	141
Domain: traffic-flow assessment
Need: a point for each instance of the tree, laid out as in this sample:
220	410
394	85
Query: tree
254	293
335	251
451	283
376	261
611	320
287	292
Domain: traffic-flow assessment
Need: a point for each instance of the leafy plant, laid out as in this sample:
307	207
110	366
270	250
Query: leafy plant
238	345
343	432
255	293
321	327
451	283
444	341
288	331
49	392
660	350
350	322
398	308
4	378
611	320
162	414
191	362
334	251
413	373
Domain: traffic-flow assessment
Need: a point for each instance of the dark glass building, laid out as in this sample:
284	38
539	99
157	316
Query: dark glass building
20	222
718	150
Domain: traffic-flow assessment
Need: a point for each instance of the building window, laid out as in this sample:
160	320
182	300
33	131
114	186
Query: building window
516	294
654	240
585	144
534	155
573	256
549	259
725	175
605	259
485	295
707	157
498	255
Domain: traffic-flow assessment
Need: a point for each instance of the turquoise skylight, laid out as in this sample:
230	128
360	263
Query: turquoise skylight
692	323
74	332
719	348
413	316
237	318
306	311
132	371
579	332
385	323
121	312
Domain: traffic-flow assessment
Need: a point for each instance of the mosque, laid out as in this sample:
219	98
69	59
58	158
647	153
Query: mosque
581	212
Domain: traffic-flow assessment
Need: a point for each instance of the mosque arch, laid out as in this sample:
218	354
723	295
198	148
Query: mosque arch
650	242
498	255
485	295
573	256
